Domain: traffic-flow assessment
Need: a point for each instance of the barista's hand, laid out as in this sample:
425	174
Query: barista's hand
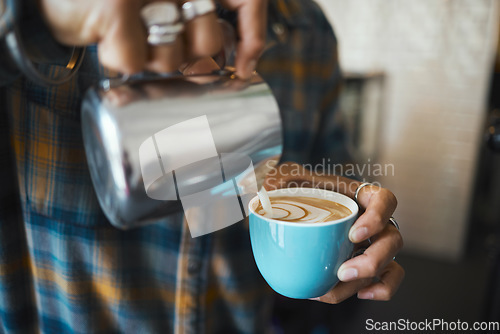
357	274
117	28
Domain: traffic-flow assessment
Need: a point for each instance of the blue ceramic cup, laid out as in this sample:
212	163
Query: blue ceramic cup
300	260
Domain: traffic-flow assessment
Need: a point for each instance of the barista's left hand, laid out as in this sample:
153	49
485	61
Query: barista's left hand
373	274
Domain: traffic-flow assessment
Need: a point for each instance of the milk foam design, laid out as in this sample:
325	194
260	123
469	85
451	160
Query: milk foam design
306	213
175	163
304	209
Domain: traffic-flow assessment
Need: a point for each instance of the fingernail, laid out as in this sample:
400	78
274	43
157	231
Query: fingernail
315	298
359	234
365	295
348	274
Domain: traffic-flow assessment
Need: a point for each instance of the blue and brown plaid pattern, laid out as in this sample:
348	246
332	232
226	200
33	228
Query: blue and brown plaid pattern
65	269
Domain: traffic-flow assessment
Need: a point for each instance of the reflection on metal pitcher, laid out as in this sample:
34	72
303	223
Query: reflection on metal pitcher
157	145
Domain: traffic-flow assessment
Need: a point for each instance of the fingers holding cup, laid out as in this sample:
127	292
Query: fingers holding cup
382	289
343	291
389	281
375	258
379	204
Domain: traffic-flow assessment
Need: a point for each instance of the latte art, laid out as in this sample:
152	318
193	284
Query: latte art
301	209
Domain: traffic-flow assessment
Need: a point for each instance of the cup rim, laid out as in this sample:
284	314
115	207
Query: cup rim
310	191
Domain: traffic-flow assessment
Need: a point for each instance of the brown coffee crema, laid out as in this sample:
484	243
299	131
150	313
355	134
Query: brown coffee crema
302	209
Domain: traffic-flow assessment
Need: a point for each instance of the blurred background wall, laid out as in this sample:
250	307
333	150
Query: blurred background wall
426	65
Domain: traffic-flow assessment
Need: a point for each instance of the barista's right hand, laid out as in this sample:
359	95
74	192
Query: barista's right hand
117	28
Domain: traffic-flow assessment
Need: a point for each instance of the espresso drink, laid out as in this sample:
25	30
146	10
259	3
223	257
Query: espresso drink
303	209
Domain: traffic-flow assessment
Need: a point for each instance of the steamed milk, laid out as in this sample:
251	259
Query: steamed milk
303	209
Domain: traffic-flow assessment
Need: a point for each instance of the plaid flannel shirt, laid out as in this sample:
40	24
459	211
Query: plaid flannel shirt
65	269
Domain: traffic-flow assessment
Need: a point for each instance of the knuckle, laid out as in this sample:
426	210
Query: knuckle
119	64
371	268
162	67
378	219
133	64
398	240
334	299
130	68
213	48
402	272
394	237
385	294
204	48
391	198
162	63
204	43
366	282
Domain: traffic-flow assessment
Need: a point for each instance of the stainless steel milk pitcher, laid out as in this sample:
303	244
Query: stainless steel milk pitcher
159	144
